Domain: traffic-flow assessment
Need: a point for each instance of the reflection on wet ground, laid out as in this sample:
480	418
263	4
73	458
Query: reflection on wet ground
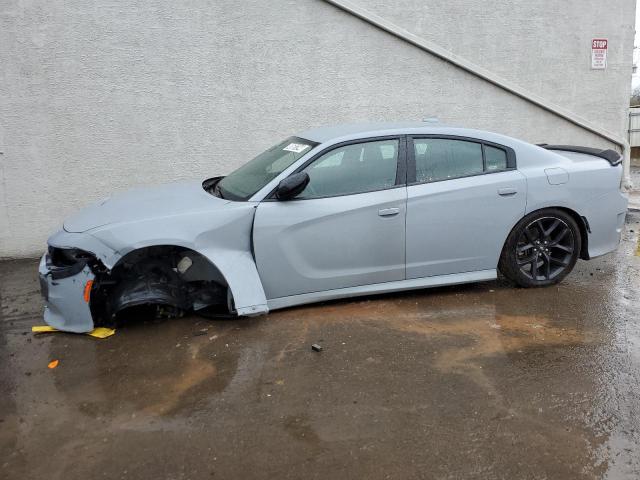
477	381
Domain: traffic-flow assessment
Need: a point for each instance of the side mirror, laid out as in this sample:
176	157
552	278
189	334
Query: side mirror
292	186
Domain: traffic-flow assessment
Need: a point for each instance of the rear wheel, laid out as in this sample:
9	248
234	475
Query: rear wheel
541	249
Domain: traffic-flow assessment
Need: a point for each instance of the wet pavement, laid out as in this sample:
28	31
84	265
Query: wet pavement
476	381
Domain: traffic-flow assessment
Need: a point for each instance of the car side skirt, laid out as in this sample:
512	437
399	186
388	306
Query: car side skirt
387	287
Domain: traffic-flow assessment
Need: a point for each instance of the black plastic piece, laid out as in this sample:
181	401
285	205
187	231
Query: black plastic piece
58	273
210	185
316	348
151	283
67	262
44	287
292	186
611	156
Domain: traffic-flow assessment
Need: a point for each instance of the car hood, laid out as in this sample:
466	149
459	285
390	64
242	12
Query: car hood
144	204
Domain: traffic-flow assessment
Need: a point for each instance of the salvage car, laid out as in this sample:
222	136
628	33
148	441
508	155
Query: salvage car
338	212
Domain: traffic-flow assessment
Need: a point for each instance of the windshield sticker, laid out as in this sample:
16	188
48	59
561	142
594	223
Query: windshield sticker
295	147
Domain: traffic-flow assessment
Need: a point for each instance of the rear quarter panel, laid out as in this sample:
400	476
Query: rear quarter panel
592	189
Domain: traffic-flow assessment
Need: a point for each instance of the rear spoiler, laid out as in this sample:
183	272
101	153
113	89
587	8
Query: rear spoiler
611	156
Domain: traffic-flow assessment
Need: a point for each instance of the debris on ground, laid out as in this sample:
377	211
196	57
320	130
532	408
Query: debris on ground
53	364
316	348
99	332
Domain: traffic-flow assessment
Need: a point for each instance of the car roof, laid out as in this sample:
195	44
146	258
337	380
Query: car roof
332	132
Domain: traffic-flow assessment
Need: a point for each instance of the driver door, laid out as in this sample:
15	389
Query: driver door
346	229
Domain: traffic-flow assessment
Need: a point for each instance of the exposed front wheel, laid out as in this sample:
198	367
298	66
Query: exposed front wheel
541	249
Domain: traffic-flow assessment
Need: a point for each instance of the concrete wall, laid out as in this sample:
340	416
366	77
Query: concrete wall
96	97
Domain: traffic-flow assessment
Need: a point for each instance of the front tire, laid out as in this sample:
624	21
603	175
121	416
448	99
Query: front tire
541	249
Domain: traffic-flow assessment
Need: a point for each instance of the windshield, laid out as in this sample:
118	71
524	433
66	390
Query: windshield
243	183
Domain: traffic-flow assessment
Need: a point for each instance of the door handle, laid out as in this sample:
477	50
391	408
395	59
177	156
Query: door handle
388	212
505	192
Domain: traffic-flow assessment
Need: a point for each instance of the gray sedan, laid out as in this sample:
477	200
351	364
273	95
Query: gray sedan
337	212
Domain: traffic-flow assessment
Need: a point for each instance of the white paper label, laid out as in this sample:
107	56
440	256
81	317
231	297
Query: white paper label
295	147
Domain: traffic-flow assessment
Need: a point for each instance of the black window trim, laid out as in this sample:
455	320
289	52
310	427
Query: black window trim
401	165
411	157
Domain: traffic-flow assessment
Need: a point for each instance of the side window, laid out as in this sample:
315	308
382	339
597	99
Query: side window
496	158
356	168
441	159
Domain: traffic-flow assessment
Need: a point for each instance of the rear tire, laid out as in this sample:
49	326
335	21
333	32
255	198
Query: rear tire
541	249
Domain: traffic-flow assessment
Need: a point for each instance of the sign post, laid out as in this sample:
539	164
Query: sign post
599	53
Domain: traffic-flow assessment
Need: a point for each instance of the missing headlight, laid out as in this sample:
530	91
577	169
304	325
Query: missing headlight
66	262
66	257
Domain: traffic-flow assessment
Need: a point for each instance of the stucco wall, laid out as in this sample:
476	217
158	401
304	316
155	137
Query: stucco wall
95	98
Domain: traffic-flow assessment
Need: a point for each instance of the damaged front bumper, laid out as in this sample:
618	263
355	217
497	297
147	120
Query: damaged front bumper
67	294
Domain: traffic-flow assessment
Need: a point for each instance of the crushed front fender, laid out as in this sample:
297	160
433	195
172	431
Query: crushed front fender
67	299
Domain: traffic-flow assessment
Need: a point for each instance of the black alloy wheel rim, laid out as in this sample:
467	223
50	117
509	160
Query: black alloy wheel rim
545	248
